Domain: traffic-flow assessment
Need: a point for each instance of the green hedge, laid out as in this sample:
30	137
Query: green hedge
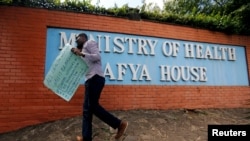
226	24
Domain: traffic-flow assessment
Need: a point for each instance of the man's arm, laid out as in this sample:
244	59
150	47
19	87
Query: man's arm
92	53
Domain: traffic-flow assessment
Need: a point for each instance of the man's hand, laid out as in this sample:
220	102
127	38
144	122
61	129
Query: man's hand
76	51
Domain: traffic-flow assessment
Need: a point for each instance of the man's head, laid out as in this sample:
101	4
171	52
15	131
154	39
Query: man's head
81	39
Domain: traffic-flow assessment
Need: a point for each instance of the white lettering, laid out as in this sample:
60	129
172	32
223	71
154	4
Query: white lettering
99	37
145	73
230	133
175	73
130	44
164	50
215	132
64	41
138	71
208	54
134	71
203	74
118	42
91	37
185	73
107	46
121	71
216	54
165	73
199	51
173	48
142	43
231	54
194	73
152	46
189	50
212	53
108	72
223	52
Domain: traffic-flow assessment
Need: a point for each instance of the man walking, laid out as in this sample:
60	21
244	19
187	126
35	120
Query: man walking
88	50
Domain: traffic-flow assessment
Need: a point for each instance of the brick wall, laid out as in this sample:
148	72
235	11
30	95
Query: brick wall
25	101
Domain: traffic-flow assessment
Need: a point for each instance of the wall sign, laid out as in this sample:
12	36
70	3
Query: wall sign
142	60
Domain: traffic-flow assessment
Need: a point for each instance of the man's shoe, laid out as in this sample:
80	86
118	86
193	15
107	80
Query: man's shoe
78	138
121	129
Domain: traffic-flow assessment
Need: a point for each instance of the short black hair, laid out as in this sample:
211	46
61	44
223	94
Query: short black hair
83	35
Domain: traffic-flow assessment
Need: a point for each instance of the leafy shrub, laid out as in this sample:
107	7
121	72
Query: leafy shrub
232	23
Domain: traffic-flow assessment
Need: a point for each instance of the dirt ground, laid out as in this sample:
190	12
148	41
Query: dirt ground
144	125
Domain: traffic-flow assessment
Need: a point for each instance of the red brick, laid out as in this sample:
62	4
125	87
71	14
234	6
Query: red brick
22	59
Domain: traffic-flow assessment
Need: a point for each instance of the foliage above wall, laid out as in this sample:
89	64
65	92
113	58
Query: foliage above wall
211	16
